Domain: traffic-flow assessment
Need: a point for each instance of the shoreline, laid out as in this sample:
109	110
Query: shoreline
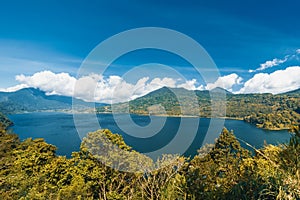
272	129
140	114
183	116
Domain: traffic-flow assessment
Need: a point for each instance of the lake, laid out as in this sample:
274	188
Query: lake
59	129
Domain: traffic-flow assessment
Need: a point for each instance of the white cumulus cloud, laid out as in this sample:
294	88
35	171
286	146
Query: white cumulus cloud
61	84
277	82
226	82
191	85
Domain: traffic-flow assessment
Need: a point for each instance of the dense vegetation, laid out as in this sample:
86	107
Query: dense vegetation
264	110
4	121
224	170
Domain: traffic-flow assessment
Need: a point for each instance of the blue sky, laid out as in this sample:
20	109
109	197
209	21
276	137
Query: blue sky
57	35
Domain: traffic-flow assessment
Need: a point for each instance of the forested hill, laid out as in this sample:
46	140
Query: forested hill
264	110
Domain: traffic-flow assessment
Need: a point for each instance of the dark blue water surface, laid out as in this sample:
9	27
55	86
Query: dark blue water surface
59	129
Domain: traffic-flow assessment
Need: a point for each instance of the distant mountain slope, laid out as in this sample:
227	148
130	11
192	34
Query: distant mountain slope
219	90
30	99
171	101
265	110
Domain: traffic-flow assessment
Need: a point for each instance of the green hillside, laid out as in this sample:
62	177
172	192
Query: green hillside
264	110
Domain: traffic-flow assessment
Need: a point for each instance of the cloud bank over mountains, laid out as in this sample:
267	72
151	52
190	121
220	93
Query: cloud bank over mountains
95	87
114	89
277	82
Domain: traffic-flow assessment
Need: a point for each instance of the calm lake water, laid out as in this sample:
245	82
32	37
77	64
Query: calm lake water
59	129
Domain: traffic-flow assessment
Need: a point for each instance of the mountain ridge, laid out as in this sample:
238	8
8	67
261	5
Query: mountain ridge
32	100
268	111
297	91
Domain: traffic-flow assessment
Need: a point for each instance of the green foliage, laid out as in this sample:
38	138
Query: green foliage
165	181
212	175
260	176
276	120
111	150
224	170
291	152
4	122
8	142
